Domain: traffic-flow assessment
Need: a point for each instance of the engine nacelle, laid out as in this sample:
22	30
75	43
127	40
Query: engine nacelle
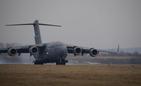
33	50
77	51
12	52
93	52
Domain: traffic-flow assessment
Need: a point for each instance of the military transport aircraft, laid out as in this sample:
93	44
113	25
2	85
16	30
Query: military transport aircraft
54	52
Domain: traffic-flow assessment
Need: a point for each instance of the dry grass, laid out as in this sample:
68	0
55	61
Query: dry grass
70	75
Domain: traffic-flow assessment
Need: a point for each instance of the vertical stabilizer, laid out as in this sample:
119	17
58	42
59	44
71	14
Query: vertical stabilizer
37	32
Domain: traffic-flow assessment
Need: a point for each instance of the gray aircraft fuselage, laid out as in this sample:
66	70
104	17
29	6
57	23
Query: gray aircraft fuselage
54	51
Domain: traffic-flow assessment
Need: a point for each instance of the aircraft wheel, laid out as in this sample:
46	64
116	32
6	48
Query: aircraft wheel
61	62
38	63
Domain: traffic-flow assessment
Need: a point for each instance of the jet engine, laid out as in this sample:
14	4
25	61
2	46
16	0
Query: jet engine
93	52
33	50
77	51
12	52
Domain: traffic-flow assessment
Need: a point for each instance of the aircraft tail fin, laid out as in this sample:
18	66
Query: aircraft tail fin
35	24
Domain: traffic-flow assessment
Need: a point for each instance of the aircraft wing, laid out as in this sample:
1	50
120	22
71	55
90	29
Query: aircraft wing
91	51
108	51
32	49
81	51
40	49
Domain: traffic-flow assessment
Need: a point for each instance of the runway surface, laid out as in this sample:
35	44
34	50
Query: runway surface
26	59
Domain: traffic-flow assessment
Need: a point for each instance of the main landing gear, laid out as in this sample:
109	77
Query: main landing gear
61	61
38	62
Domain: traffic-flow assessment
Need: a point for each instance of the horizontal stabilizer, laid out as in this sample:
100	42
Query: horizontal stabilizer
19	24
49	25
33	24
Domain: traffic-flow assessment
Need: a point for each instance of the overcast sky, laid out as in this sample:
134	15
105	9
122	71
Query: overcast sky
89	23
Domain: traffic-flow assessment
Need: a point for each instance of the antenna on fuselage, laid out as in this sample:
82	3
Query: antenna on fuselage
36	29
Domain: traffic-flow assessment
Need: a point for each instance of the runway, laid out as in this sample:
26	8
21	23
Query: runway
77	60
104	60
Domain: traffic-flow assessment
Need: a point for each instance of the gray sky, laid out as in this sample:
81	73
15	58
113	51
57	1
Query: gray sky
89	23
